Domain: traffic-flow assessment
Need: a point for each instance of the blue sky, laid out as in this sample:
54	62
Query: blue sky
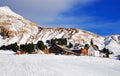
99	16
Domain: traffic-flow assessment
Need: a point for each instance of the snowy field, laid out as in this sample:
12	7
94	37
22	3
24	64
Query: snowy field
52	65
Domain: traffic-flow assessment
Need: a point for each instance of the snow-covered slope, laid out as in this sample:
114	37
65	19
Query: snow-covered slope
72	34
113	43
14	28
7	11
51	65
116	38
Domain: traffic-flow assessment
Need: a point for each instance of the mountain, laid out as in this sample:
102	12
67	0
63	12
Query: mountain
113	43
15	28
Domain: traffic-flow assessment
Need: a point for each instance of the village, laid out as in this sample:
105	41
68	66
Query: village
78	50
58	47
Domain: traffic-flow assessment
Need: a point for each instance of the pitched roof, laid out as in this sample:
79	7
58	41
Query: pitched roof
63	47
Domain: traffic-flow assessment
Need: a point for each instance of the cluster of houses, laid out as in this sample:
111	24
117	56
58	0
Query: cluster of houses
91	50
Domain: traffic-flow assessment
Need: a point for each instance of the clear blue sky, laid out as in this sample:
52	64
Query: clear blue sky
99	16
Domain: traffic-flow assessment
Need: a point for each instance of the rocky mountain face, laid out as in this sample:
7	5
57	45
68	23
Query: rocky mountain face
14	28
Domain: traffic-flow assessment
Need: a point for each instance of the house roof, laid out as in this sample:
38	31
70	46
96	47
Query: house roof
69	51
63	47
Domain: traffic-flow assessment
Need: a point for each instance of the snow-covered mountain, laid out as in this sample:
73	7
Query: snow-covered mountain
113	43
15	28
116	38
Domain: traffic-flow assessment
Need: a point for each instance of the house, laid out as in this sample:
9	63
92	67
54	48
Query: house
76	51
55	49
77	46
93	50
84	51
58	49
68	52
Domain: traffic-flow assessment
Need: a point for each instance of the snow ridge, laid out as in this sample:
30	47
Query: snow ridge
5	10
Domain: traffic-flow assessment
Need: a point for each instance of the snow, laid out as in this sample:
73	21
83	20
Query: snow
6	52
60	35
24	38
12	40
57	65
113	46
2	41
5	10
99	42
113	37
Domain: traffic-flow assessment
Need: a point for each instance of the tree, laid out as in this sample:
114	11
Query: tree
29	48
41	45
86	46
106	52
23	47
64	41
53	41
3	47
60	41
14	47
70	45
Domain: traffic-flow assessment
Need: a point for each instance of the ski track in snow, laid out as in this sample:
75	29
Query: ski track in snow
51	65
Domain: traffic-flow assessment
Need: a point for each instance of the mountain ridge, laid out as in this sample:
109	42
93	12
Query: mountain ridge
14	28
